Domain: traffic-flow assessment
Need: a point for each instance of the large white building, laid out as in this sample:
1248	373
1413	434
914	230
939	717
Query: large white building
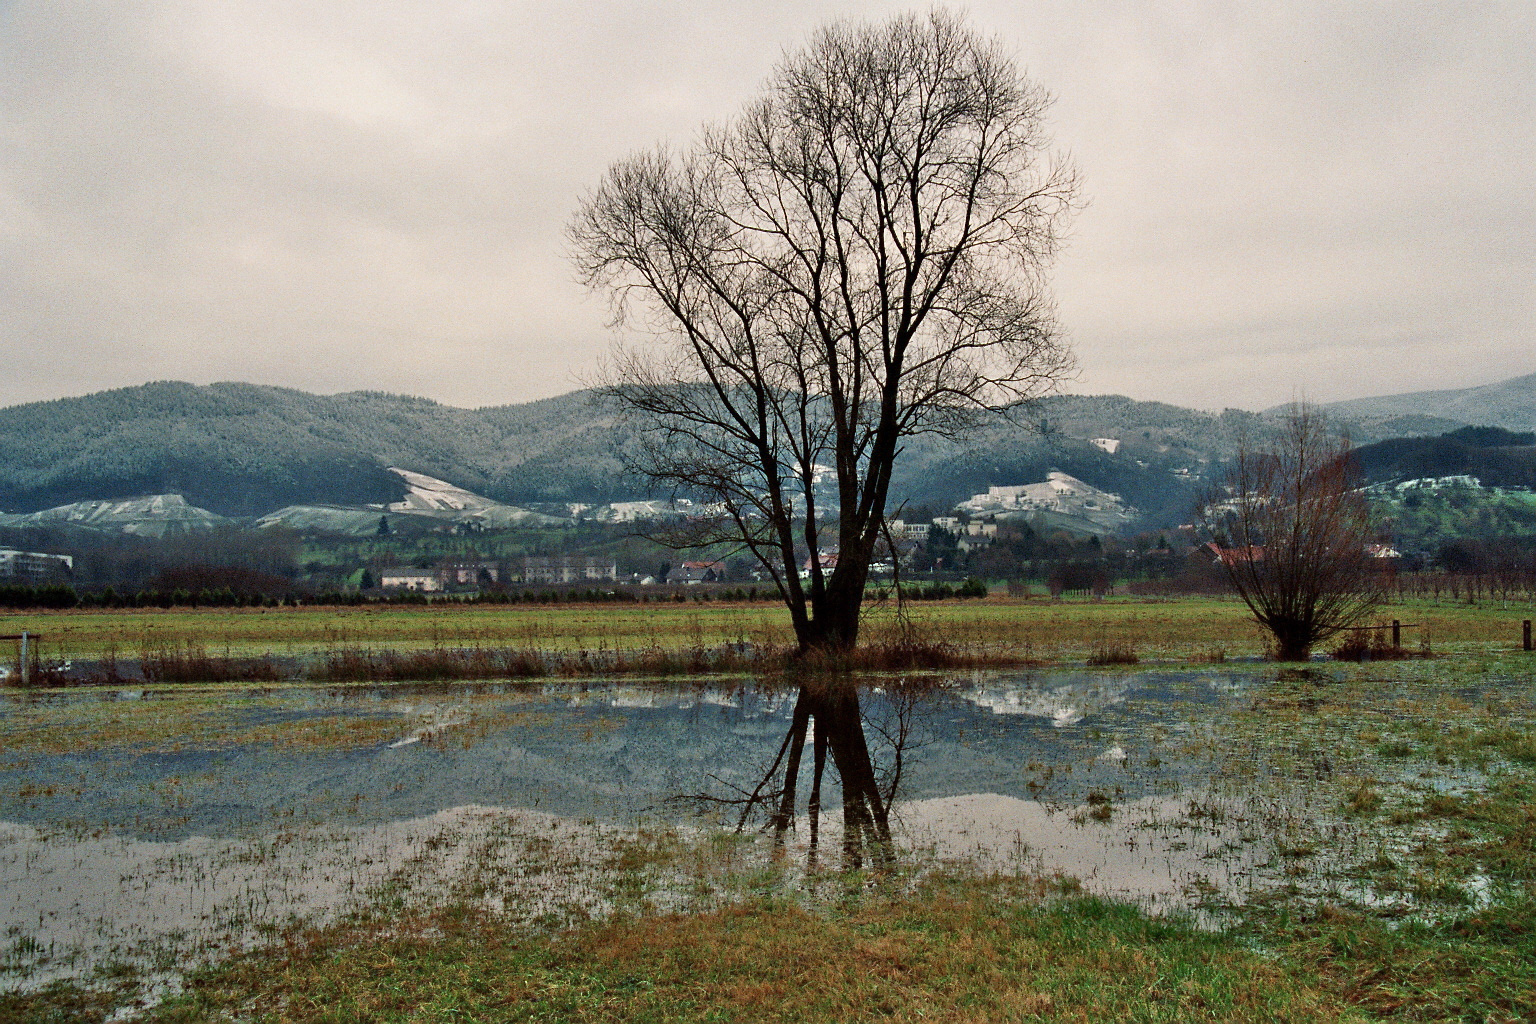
568	569
32	566
405	578
1058	492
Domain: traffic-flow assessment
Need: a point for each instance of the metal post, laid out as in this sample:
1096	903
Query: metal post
1397	634
25	669
1527	631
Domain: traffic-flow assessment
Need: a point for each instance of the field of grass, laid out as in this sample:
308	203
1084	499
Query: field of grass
1193	629
306	630
1425	913
951	954
953	948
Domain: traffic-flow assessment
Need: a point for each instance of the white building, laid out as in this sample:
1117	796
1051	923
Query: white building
903	530
1058	492
568	569
29	566
404	578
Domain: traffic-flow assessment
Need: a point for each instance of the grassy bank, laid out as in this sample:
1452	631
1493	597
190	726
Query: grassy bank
940	955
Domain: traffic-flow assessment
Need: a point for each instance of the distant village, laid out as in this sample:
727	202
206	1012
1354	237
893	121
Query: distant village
1060	505
1060	502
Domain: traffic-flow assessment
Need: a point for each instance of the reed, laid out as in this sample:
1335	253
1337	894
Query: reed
193	664
353	665
1113	652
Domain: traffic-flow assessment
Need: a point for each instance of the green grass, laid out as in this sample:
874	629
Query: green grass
253	631
1193	629
1476	966
957	949
965	952
61	1003
1433	763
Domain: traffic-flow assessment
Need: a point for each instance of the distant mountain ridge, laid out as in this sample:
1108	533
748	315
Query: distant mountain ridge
1510	404
244	450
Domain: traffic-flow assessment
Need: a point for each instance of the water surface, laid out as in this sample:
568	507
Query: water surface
160	825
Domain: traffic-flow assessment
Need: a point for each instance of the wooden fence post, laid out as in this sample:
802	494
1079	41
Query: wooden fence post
1397	634
1527	638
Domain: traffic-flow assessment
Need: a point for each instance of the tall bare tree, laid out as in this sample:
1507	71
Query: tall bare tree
857	258
1294	527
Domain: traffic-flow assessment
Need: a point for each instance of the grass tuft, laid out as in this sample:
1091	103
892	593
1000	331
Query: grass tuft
1370	645
1113	652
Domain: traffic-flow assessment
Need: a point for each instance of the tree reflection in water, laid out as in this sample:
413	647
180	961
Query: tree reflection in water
829	715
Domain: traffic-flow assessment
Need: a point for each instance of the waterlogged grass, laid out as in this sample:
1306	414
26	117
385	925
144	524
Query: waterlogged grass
854	948
182	723
1386	811
190	719
1404	792
1405	874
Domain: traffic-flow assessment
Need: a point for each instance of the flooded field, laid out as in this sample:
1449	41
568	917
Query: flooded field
152	829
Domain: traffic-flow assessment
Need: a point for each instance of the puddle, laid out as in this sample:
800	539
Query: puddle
162	827
72	908
1128	856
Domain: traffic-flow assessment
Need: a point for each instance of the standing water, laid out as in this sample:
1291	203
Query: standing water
164	827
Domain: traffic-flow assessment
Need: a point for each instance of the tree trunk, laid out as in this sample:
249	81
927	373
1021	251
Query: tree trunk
1293	640
833	625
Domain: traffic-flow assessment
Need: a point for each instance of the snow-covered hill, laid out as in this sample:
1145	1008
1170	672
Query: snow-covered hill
154	515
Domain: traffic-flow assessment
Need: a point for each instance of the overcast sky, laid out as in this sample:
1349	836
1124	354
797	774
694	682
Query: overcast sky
1320	200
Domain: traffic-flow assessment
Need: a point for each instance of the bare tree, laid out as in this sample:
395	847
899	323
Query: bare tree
1292	529
856	259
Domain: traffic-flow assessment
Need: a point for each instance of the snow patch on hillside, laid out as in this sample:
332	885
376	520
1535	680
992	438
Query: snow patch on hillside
153	515
429	494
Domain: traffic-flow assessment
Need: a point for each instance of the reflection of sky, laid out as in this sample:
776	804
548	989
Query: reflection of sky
1065	703
997	773
1116	858
607	752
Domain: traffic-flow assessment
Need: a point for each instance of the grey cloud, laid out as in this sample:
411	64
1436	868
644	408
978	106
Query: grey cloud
338	195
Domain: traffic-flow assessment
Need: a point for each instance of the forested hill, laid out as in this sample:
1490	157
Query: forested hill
245	450
1497	457
1510	404
1163	456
